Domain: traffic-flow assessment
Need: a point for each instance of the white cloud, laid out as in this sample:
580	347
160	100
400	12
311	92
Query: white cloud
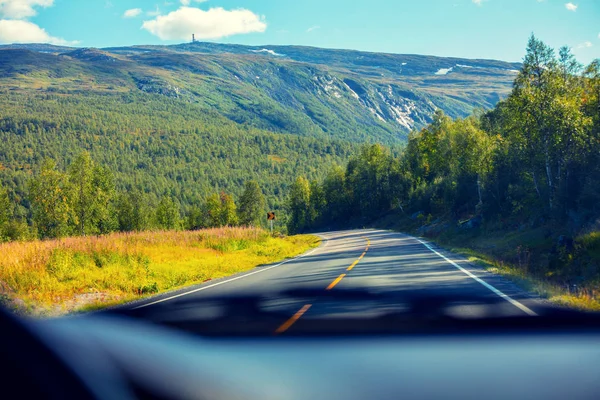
478	2
14	28
19	9
134	12
584	45
313	28
571	6
187	2
212	24
16	31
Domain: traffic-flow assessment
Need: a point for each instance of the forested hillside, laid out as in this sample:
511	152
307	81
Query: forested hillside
528	170
150	148
163	136
159	145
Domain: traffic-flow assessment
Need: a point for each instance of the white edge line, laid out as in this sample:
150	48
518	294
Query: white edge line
506	297
232	279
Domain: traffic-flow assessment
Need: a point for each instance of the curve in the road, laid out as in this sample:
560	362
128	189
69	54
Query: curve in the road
382	262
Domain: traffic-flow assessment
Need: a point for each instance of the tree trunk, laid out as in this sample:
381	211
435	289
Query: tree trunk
401	208
566	184
549	177
535	184
82	205
479	191
560	198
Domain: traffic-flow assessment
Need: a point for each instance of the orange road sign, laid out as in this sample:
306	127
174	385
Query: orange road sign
271	216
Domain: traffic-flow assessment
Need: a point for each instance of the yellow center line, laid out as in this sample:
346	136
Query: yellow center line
286	325
339	278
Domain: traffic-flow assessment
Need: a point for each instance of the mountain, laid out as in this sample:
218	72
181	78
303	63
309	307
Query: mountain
342	94
191	119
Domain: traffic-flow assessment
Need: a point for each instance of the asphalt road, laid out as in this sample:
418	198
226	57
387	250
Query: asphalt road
385	263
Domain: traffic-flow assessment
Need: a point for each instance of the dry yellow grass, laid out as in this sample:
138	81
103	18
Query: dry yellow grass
60	276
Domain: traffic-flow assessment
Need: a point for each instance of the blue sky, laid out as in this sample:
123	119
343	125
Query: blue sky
496	29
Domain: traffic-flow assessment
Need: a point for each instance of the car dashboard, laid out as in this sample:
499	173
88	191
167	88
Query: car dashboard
114	356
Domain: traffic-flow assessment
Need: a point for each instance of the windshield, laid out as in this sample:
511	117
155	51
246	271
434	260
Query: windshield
280	168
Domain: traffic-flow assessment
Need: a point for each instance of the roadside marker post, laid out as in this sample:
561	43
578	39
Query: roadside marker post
271	217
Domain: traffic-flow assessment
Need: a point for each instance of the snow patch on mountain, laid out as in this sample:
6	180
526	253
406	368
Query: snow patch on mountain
513	71
403	114
375	113
444	71
468	66
271	52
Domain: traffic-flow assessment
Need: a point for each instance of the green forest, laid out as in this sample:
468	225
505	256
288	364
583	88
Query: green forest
83	200
142	150
531	163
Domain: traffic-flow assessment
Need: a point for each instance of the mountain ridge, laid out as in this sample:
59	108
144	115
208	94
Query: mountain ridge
45	47
347	94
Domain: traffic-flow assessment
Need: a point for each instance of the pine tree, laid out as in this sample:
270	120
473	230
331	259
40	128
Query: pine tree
228	211
133	211
167	214
252	205
299	206
212	211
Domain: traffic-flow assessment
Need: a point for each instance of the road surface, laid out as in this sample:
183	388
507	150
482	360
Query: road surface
382	262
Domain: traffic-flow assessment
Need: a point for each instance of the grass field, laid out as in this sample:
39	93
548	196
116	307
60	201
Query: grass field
47	278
